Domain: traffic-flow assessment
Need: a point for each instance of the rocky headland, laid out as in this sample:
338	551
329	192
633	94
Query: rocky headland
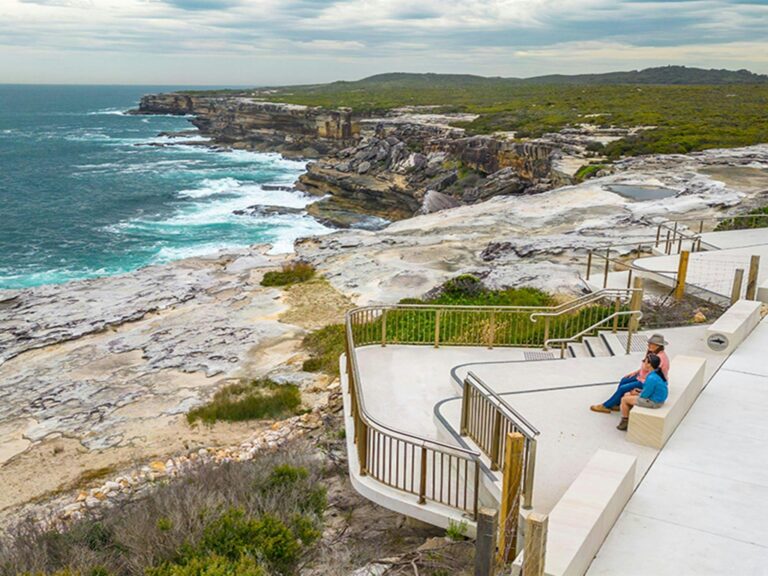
98	374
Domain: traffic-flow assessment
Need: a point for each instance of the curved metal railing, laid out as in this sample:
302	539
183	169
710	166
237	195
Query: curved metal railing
429	469
488	420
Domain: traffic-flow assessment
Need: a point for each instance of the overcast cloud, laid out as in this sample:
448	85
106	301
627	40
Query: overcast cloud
268	42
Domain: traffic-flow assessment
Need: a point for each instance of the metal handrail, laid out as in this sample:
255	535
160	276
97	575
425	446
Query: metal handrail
514	414
370	432
370	420
575	337
489	428
589	298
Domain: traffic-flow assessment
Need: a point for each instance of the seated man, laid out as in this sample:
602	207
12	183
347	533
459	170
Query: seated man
653	394
636	379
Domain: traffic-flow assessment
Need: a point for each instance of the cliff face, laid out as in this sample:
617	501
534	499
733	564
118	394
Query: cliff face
240	121
386	168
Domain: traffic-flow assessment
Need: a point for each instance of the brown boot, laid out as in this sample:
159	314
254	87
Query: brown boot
615	408
600	408
623	425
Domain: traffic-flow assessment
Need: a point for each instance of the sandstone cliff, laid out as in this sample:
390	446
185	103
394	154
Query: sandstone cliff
244	122
370	167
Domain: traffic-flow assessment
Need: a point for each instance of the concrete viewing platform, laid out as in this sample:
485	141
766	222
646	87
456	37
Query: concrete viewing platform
554	395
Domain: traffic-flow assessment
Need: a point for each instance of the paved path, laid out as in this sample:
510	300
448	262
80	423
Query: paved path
702	507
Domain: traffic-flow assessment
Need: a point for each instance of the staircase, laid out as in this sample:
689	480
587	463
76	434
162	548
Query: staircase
605	344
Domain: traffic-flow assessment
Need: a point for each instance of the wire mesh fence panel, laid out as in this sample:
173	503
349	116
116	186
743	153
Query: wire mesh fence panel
714	272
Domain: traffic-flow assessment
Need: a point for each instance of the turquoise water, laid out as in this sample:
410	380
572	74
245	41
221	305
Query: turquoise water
84	194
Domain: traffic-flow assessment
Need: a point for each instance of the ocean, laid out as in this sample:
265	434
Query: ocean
87	191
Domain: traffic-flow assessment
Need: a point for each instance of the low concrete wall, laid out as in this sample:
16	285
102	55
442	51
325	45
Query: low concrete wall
653	426
582	518
734	326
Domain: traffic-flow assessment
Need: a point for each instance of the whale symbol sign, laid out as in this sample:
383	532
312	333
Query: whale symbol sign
717	342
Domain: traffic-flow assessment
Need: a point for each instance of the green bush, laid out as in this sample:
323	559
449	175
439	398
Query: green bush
325	346
758	218
587	171
292	273
254	400
211	565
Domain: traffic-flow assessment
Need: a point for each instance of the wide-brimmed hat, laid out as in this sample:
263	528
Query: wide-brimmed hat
657	339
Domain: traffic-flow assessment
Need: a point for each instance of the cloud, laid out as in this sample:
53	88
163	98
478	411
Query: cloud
202	4
345	39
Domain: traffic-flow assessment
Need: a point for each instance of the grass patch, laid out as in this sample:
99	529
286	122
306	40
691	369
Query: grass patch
325	346
292	273
248	401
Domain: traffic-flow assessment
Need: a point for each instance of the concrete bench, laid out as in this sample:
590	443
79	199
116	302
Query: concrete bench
732	327
653	426
582	518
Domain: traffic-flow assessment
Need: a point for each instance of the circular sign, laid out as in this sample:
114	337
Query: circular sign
717	342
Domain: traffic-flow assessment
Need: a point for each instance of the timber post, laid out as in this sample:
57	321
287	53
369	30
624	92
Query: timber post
485	544
510	497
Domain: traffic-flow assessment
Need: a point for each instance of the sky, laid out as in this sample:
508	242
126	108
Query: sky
279	42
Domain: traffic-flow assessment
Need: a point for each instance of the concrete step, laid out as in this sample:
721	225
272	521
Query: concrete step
579	350
596	346
612	344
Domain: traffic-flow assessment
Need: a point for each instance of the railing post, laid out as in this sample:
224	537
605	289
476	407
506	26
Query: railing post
384	328
701	226
496	440
361	434
437	328
546	330
485	543
510	497
589	263
423	478
616	310
536	527
682	273
754	267
530	470
738	279
635	305
465	408
607	262
666	244
658	235
492	330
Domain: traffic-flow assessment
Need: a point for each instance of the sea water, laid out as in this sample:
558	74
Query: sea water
87	191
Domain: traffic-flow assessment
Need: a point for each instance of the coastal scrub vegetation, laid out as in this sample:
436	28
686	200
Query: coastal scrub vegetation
256	518
679	118
755	218
292	273
419	325
248	401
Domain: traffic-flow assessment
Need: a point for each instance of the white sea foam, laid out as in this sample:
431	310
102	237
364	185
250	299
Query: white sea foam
108	112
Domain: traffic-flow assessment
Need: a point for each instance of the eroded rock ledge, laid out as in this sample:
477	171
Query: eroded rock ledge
382	167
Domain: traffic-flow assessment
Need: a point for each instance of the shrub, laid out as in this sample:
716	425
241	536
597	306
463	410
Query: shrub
257	399
255	518
759	219
325	346
587	171
292	273
211	565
